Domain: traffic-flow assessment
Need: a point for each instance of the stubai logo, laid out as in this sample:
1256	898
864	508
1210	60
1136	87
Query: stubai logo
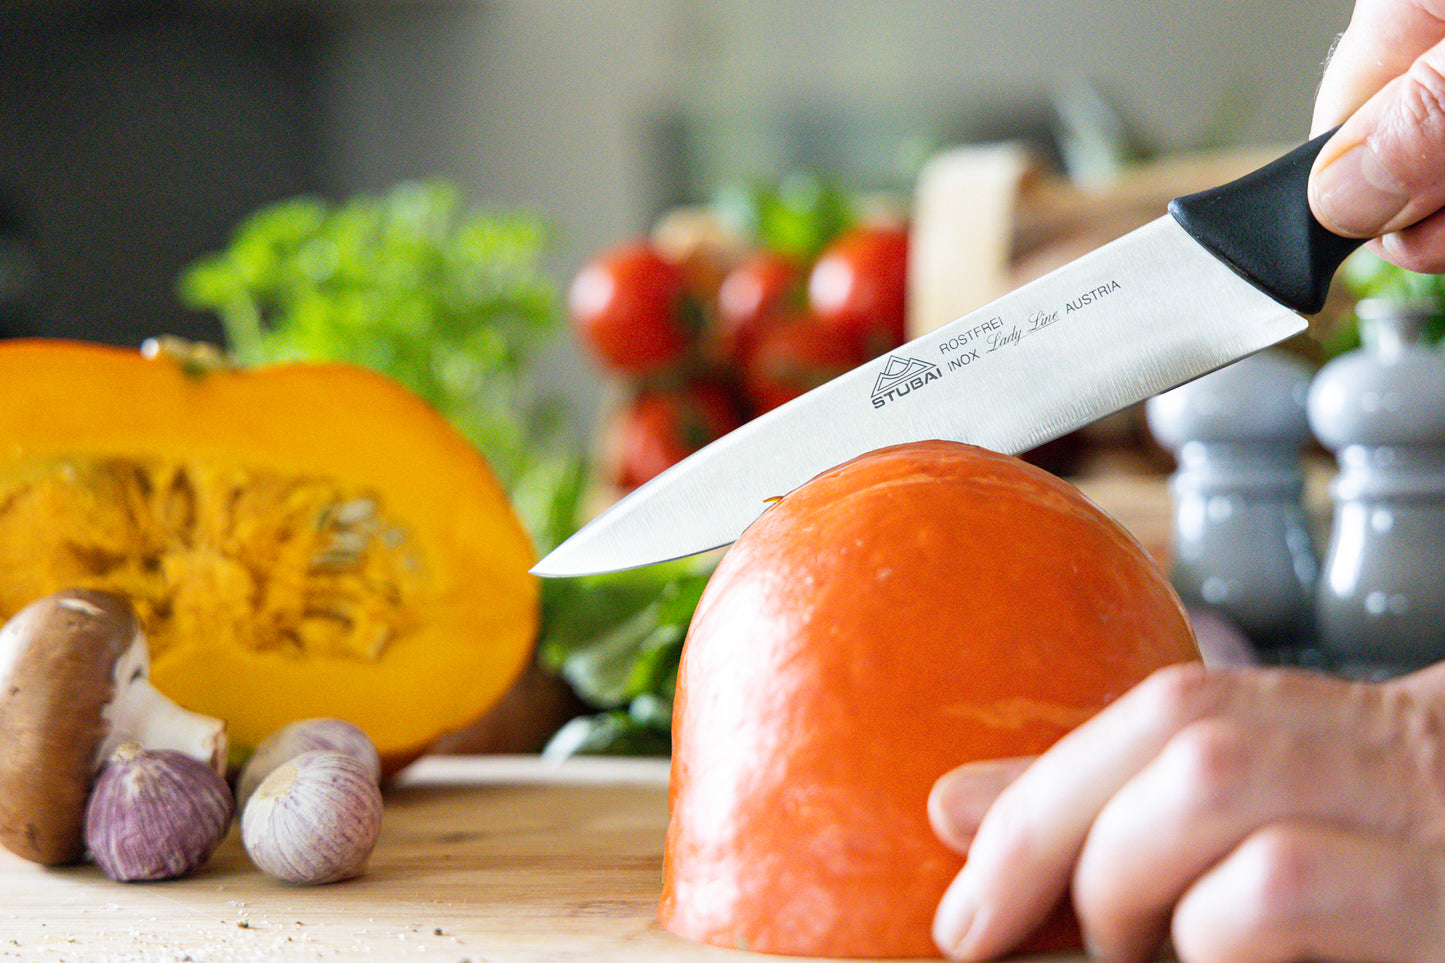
901	376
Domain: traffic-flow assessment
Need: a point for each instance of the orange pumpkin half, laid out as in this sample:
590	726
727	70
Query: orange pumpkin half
916	608
299	541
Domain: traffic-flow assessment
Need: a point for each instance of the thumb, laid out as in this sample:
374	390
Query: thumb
1384	169
961	797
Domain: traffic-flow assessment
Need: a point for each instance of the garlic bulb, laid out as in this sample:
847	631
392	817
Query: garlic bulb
314	819
303	736
155	814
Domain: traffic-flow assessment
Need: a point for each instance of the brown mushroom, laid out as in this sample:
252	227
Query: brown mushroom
73	685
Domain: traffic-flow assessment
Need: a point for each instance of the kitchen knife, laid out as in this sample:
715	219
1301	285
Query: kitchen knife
1225	273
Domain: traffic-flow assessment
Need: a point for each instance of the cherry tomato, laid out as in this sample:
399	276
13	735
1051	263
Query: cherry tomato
630	307
793	356
761	288
859	286
662	426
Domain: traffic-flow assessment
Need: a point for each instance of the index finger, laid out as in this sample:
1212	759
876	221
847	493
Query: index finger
1383	39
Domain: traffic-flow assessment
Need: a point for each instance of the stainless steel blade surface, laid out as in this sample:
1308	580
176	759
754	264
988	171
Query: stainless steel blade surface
1135	317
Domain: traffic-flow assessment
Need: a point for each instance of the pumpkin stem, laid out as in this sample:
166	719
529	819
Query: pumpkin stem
195	358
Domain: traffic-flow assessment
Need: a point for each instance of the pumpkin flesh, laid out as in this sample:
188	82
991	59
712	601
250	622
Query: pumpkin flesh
299	541
912	610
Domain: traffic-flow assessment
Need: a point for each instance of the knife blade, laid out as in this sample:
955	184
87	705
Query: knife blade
1223	274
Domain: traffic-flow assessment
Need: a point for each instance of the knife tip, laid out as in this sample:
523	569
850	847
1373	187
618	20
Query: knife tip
563	564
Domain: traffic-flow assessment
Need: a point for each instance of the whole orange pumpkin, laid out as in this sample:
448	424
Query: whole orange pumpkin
913	609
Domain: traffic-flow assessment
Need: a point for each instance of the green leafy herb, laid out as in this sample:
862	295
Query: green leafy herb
630	670
647	612
1366	275
796	215
644	728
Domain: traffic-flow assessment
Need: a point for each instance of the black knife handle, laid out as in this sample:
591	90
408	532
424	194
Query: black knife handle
1262	227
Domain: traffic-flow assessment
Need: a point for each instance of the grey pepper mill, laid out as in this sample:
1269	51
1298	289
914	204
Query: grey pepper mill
1381	410
1241	543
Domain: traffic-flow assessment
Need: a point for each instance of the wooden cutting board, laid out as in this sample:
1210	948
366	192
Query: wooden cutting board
480	859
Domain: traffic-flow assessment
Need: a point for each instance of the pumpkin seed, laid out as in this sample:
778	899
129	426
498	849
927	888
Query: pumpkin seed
355	512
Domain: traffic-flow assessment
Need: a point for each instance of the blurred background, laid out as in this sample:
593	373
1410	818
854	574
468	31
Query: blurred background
284	178
134	136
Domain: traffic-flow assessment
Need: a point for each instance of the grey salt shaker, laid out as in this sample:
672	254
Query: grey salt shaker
1381	410
1240	540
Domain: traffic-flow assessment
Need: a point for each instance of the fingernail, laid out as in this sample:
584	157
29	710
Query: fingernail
1356	195
954	918
957	805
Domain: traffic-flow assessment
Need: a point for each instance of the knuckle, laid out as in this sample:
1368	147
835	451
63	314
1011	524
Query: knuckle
1249	909
1209	760
1176	694
1281	870
1423	93
1410	135
1212	937
1429	767
1418	738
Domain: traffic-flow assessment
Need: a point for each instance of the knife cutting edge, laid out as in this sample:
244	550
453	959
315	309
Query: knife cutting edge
1225	273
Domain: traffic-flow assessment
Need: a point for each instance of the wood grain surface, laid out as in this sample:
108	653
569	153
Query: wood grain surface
481	859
